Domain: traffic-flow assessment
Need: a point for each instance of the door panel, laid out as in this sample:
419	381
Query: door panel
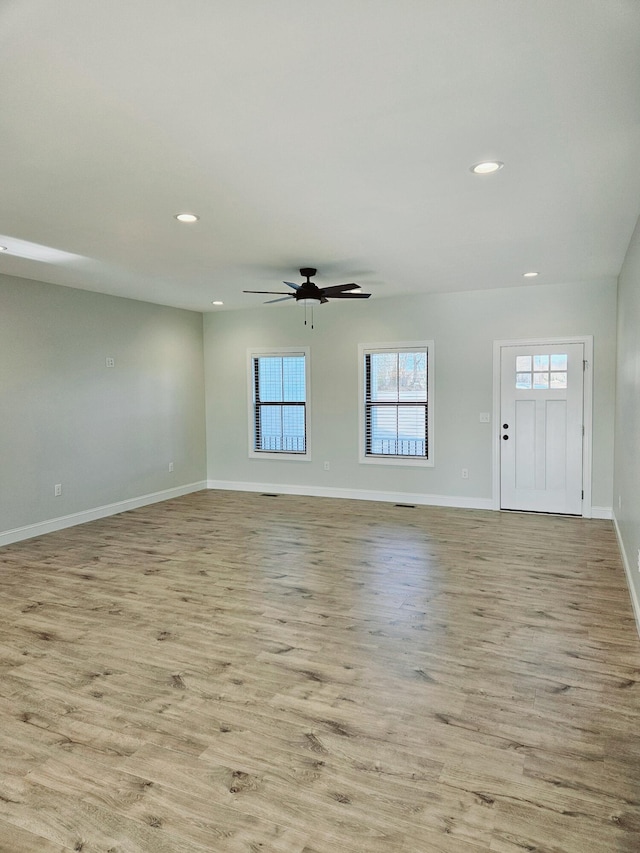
556	446
541	437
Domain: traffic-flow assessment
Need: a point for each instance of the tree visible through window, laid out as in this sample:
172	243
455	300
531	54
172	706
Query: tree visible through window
396	403
279	400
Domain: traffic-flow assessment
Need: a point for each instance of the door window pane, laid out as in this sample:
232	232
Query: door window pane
523	362
541	362
559	380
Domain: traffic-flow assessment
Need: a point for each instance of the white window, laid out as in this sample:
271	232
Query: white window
278	410
396	410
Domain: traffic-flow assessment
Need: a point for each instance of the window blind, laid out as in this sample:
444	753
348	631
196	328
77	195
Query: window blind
396	403
279	387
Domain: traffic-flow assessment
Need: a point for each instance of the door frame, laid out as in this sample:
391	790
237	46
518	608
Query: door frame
587	448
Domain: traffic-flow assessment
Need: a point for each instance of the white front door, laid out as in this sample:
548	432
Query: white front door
541	427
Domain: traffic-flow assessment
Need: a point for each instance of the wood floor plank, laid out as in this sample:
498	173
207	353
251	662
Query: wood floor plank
233	673
179	814
13	839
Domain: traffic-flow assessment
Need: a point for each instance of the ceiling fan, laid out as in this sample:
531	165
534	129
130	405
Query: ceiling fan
309	293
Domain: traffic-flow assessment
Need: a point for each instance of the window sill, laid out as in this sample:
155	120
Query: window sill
399	461
281	457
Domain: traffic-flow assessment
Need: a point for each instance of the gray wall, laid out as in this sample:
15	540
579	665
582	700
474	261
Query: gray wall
107	435
463	326
627	456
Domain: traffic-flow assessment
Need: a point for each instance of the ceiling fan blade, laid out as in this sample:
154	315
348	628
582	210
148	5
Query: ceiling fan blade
281	299
338	288
291	284
350	295
278	292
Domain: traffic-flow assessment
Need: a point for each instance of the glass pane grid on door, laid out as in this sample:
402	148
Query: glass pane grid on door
541	372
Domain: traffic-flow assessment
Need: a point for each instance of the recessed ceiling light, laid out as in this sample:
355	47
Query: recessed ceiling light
487	167
186	217
217	302
529	274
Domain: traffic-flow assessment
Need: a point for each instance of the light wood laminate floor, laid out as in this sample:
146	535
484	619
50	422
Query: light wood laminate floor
235	672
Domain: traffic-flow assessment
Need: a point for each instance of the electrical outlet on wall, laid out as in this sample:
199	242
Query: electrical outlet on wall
57	490
465	473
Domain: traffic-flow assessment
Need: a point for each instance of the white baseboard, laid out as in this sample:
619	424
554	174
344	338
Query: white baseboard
604	512
635	603
354	494
41	527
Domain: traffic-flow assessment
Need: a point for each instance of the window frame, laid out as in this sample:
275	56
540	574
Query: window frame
396	347
282	455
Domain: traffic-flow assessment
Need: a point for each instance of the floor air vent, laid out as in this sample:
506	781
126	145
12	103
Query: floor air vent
406	506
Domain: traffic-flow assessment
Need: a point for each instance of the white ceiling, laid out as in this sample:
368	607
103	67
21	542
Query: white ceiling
328	133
